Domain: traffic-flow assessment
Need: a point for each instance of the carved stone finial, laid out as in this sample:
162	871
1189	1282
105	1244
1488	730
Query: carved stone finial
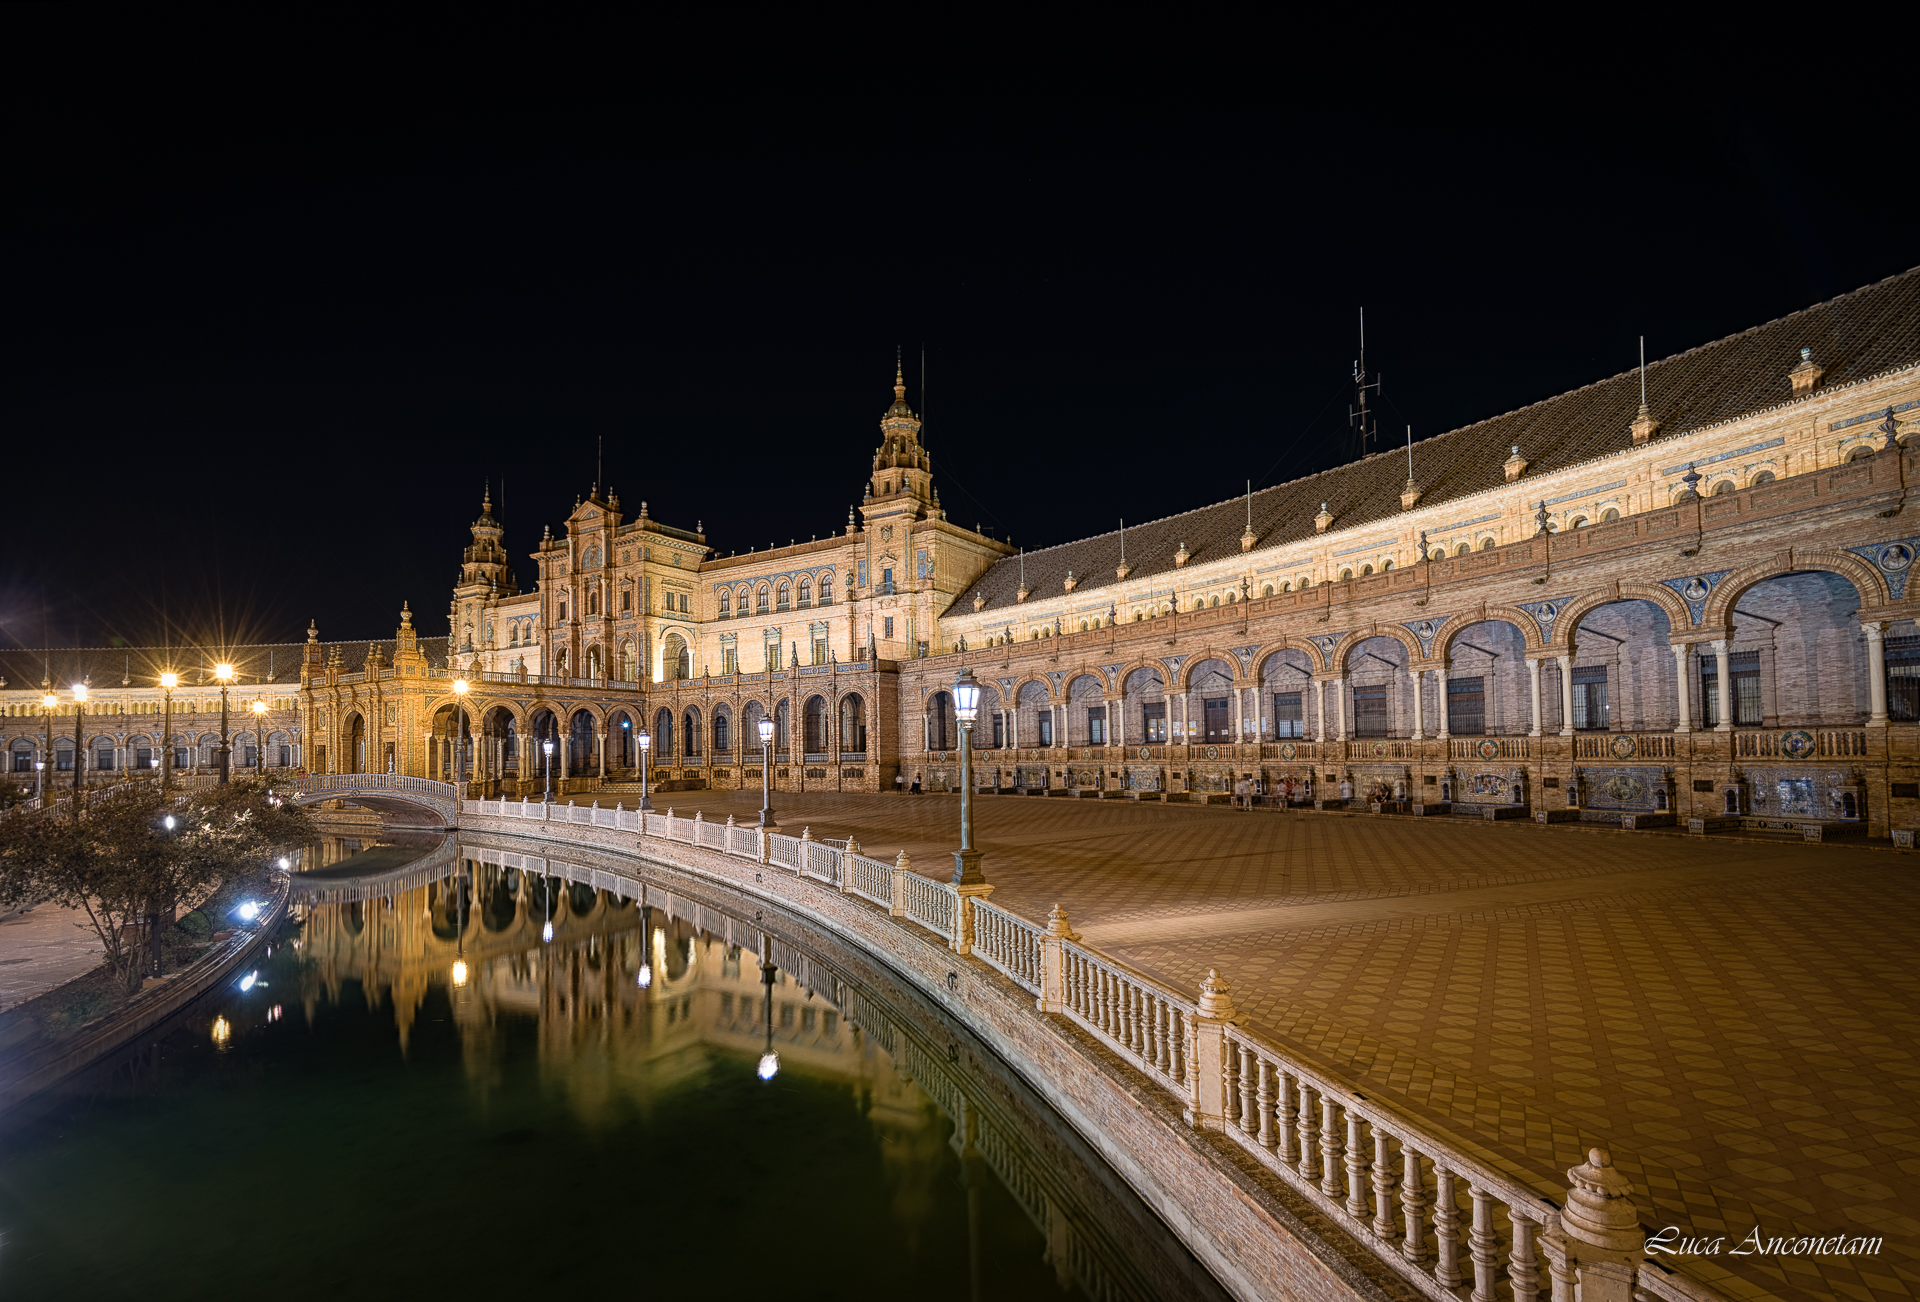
1409	495
1071	582
1644	426
1122	570
1805	377
1600	1208
979	601
1515	465
1058	927
1181	557
1323	521
1216	997
1248	538
1021	595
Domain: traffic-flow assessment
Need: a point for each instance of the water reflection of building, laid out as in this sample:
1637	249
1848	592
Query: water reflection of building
609	1042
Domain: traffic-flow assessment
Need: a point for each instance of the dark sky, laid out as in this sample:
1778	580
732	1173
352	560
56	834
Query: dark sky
263	341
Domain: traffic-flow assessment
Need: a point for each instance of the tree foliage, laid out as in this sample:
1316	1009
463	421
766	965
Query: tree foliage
120	864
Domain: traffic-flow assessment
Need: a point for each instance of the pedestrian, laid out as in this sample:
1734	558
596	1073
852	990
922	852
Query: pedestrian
1244	790
916	784
899	783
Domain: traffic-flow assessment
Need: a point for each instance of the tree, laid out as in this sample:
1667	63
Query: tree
112	856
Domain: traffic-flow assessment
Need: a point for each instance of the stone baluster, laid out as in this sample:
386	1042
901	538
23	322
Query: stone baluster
1523	1268
1446	1229
1413	1204
1383	1226
1283	1114
1356	1169
1309	1150
1249	1075
1483	1245
1329	1145
1264	1099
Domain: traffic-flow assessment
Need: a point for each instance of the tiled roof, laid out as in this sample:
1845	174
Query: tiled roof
278	663
1853	337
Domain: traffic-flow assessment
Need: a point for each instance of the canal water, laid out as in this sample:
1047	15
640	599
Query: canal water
417	1093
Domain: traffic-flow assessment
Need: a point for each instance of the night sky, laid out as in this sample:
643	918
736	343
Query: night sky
265	341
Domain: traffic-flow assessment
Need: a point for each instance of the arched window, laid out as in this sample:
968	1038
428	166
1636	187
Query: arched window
1214	600
629	671
1439	554
826	589
1860	453
593	661
1232	597
1267	591
560	663
786	597
676	661
690	733
1304	582
816	725
806	592
1578	522
1609	515
593	603
761	603
1764	477
1346	574
1722	488
722	732
1486	544
726	605
1385	566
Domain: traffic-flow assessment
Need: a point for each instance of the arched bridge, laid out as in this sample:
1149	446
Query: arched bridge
317	888
398	799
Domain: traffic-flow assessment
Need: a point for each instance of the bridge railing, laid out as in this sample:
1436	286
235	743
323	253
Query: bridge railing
316	784
1438	1216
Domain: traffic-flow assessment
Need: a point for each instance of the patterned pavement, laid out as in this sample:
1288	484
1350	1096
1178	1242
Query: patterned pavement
1736	1021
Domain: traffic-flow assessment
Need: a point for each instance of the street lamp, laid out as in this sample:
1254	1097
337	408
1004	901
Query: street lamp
460	743
79	752
168	682
547	746
769	1061
259	709
646	747
224	673
766	775
48	704
966	708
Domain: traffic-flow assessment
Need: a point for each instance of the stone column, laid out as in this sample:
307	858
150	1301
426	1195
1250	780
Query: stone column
1566	696
1117	720
600	751
1319	710
1440	692
1724	685
1876	671
1533	672
1419	714
1340	709
1239	716
1680	678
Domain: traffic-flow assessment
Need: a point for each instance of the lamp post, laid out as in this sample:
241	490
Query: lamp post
547	747
460	687
79	750
224	673
769	1061
766	775
168	681
966	708
48	704
646	747
259	709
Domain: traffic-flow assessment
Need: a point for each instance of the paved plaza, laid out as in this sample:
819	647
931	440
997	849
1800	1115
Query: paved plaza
42	948
1734	1019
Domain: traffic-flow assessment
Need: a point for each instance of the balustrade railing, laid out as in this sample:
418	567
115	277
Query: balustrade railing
1009	943
1444	1221
1623	745
1489	748
929	903
1132	1014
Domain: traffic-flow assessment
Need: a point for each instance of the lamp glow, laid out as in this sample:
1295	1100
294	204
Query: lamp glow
646	739
546	933
285	863
459	971
769	1066
966	698
646	975
170	822
49	701
169	681
223	672
80	691
460	686
766	730
246	982
547	746
221	1030
248	912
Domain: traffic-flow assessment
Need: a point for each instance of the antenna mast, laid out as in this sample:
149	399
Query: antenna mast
1359	419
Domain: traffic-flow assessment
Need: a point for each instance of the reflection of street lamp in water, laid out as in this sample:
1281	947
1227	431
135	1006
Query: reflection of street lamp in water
769	1061
646	947
546	900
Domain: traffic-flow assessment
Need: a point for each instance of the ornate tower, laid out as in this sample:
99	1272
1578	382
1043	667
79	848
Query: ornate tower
485	575
902	472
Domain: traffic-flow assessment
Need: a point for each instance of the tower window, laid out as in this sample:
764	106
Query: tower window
563	612
626	599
